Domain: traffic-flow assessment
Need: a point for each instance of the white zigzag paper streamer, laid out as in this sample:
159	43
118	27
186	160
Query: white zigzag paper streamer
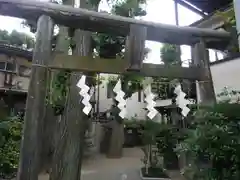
181	101
152	112
84	93
120	98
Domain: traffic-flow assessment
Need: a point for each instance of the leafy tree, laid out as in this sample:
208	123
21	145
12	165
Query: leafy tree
212	143
4	36
170	55
162	86
229	25
16	38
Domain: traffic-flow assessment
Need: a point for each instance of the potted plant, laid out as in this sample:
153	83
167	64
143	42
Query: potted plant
152	169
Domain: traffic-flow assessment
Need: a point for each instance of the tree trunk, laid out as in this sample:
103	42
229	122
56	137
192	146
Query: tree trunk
69	150
33	125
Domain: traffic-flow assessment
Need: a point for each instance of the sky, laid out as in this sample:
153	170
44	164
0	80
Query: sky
161	11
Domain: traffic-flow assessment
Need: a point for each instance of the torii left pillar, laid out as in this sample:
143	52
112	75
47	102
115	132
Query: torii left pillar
35	108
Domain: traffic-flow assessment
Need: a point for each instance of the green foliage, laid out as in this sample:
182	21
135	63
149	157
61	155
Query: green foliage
150	132
230	25
93	2
170	55
228	17
134	123
213	143
16	38
10	133
112	46
228	95
159	140
149	138
226	92
58	91
108	46
131	83
162	86
129	8
167	138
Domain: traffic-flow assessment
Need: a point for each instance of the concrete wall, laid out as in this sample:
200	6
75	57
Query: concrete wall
226	74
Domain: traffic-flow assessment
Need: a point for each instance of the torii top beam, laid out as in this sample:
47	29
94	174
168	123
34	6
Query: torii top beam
112	24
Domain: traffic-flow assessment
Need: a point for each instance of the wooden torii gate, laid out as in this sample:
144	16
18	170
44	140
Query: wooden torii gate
137	31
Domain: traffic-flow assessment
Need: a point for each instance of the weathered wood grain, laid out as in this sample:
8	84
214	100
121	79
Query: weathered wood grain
118	66
31	142
205	89
135	45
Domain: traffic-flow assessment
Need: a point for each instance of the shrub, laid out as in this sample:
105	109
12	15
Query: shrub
149	136
213	143
10	133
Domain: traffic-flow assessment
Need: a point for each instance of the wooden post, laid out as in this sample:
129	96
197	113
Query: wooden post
205	89
53	122
31	141
174	114
236	4
68	155
135	45
177	24
176	12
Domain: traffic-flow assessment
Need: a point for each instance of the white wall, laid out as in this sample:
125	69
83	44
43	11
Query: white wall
134	107
226	74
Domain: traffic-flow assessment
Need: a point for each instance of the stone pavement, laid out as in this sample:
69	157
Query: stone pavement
125	168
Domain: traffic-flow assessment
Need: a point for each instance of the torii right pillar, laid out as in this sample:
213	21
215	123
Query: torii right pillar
205	88
236	4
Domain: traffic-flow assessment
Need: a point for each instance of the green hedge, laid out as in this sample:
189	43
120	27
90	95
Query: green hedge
213	143
10	133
